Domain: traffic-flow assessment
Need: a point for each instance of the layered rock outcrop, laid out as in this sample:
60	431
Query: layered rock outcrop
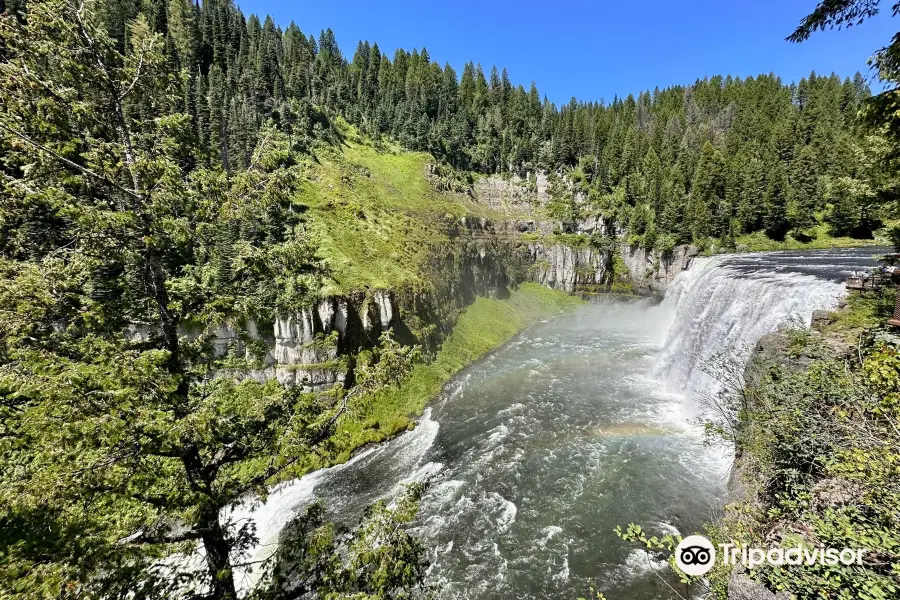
314	348
653	271
513	193
562	267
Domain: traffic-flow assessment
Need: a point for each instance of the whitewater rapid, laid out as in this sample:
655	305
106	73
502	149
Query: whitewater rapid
579	424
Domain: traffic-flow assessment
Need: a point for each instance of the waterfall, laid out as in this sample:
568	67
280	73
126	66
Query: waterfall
725	304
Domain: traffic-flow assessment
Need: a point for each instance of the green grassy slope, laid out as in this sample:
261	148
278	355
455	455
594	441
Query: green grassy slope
376	219
374	214
759	242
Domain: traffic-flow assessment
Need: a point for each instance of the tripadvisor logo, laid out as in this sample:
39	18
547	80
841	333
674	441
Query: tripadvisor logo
695	555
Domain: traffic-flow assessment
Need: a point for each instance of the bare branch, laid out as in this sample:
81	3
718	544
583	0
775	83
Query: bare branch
137	75
142	536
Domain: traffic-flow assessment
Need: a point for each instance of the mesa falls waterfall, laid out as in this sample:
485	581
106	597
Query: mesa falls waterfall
580	424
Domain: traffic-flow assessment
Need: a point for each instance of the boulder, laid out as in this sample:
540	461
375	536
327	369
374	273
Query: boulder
821	318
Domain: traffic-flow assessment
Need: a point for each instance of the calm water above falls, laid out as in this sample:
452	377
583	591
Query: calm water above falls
580	424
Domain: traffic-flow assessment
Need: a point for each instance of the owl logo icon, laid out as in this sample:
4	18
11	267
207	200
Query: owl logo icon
695	555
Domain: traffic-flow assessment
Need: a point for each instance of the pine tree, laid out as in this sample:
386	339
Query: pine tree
775	220
752	210
805	194
118	293
708	190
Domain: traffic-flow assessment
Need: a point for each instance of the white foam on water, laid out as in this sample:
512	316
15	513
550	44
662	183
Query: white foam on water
508	512
288	499
549	533
284	502
512	409
668	528
563	574
639	563
498	434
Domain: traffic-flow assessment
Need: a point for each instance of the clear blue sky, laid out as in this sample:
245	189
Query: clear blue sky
595	50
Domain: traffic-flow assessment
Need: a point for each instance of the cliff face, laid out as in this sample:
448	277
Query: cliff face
562	267
316	347
513	194
573	268
653	271
570	266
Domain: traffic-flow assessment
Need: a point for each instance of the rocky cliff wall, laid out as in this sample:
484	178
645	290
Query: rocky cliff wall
652	271
316	346
513	193
566	268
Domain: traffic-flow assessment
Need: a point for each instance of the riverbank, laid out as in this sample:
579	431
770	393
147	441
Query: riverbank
821	240
483	326
581	423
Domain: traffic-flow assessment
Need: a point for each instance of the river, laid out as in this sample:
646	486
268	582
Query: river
579	424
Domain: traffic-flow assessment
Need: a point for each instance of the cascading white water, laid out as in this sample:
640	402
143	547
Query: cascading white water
721	306
394	465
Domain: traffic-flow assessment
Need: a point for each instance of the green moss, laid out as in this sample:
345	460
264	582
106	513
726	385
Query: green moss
338	364
864	310
573	240
482	327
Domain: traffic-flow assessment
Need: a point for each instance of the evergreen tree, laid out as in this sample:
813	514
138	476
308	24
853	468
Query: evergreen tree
776	200
122	262
708	195
805	195
751	211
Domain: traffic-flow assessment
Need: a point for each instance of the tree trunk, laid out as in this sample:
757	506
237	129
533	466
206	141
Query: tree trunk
218	559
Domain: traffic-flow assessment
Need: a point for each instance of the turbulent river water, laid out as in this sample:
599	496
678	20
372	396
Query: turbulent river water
581	423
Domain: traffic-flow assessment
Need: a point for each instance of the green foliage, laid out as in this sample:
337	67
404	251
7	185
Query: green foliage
879	113
121	257
378	560
634	533
375	218
618	276
865	311
690	161
818	238
775	201
819	450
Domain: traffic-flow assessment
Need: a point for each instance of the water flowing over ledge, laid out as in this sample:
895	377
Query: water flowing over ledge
724	304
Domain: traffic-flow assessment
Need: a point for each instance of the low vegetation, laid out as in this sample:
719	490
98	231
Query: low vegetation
173	167
374	217
819	454
819	238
